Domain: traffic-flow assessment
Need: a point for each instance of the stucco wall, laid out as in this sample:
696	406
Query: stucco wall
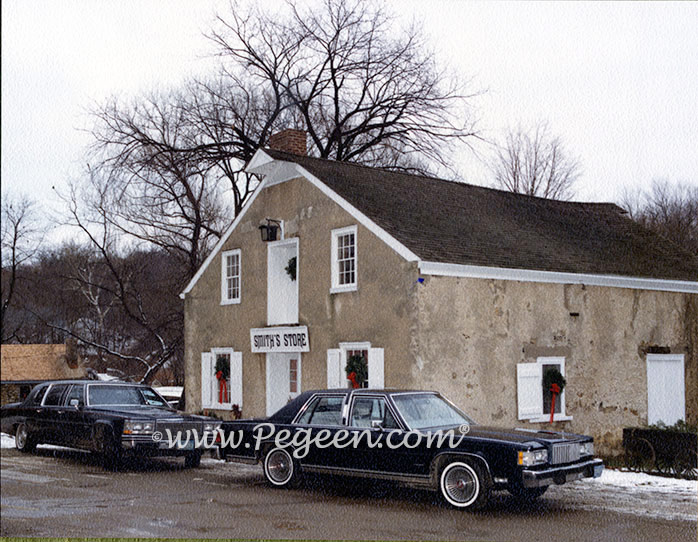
471	333
380	312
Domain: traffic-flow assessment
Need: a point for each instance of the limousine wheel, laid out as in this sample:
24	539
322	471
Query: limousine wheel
192	460
106	446
23	440
464	484
280	469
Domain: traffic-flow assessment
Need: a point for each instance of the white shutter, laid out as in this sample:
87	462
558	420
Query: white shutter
206	376
334	369
529	378
376	370
236	378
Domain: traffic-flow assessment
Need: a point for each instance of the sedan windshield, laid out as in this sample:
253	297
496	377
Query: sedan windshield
123	395
425	411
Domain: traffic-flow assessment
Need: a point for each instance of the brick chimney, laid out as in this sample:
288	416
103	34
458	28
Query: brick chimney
289	140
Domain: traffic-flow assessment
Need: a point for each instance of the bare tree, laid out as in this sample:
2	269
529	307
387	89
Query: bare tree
22	235
362	87
535	163
148	181
135	290
361	93
670	209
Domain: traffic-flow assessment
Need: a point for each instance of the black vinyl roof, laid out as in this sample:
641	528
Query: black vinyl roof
451	222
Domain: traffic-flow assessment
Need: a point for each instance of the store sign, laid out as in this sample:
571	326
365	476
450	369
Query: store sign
280	339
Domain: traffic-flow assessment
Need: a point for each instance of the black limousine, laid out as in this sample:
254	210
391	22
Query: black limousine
414	437
110	418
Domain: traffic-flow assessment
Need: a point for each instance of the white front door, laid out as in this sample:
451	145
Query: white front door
283	379
282	288
666	400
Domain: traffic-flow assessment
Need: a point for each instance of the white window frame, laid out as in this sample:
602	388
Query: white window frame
334	262
225	300
540	416
209	381
375	363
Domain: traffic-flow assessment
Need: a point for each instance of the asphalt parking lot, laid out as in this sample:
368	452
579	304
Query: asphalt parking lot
63	493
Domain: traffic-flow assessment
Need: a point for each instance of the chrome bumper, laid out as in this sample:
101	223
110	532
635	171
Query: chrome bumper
591	468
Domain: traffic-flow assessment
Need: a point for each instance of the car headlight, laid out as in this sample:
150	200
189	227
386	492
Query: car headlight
533	457
211	427
134	427
587	448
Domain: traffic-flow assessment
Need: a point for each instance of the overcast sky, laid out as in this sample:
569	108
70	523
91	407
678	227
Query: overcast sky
617	81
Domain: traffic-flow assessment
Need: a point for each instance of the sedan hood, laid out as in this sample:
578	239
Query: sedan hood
522	435
145	411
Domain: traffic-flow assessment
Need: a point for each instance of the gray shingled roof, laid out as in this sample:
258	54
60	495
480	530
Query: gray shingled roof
451	222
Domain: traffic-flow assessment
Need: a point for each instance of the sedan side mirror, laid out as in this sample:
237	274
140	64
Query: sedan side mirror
376	424
75	403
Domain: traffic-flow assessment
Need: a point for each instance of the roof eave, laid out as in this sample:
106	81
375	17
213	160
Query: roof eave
556	277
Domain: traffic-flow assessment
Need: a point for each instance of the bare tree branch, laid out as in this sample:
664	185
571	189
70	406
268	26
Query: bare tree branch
535	163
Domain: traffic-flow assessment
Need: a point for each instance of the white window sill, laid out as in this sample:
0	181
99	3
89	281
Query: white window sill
220	406
230	301
546	418
342	289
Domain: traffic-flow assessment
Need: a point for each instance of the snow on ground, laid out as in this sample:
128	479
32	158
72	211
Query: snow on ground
639	481
6	441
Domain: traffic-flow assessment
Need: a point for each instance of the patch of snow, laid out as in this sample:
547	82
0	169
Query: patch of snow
639	481
6	441
106	377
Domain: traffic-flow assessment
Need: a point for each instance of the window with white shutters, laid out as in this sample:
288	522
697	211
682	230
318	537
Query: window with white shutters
535	402
221	393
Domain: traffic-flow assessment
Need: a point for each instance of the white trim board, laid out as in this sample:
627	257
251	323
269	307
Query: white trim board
530	275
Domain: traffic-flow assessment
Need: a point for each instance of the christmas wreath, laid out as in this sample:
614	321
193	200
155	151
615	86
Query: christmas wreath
357	370
553	376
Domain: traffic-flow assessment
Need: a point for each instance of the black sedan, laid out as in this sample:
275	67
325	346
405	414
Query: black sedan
414	437
112	419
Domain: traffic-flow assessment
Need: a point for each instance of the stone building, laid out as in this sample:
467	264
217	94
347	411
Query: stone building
441	285
22	366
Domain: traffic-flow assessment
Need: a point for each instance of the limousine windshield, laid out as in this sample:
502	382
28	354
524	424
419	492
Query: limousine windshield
103	395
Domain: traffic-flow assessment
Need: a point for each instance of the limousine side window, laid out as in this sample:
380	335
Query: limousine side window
39	395
323	411
53	397
76	392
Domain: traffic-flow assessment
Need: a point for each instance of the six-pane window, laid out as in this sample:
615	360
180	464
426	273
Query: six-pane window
230	271
345	259
344	271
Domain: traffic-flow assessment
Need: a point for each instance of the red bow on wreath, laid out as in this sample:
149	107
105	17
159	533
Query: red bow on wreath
222	387
352	377
555	390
